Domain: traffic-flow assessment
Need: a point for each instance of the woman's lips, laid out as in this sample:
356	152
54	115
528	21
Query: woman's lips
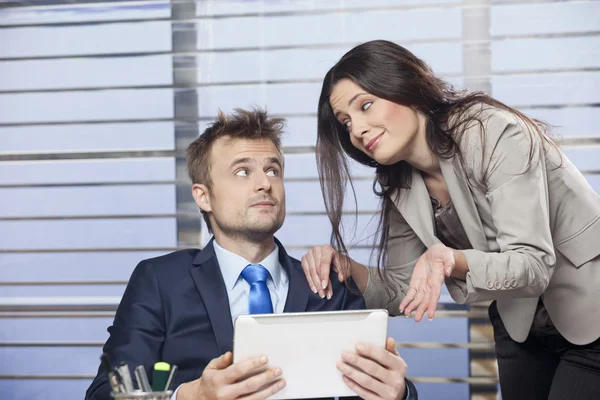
373	142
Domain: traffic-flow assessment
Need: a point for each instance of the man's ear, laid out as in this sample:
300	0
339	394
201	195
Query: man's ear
201	197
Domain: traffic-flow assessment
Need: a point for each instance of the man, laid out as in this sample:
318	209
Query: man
179	308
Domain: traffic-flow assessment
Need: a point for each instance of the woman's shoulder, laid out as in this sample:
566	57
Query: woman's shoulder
487	128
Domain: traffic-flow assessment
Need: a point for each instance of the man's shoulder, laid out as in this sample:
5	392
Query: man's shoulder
175	261
180	258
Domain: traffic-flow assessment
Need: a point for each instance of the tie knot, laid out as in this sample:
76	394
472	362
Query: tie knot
255	273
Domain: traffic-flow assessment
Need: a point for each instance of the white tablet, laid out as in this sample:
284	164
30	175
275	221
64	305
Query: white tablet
307	346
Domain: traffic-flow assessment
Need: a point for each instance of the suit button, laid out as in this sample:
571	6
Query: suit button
506	283
513	283
498	285
489	284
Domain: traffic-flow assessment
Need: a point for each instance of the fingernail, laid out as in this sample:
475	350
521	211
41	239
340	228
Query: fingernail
345	356
263	359
449	270
277	371
322	295
324	284
360	347
281	384
431	319
313	289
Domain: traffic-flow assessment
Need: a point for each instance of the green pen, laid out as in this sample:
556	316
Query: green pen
160	376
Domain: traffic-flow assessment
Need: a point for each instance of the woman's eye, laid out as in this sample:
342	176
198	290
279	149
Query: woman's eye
347	124
366	106
242	172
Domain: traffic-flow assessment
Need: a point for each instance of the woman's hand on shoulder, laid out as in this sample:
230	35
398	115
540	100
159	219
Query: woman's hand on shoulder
317	264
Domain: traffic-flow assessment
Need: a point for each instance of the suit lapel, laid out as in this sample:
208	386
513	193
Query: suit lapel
298	290
465	207
211	286
415	206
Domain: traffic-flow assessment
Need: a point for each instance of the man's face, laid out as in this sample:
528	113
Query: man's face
247	197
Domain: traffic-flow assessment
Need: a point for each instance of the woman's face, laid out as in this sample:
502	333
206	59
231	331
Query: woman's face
383	130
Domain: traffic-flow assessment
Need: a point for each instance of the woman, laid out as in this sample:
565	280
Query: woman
475	194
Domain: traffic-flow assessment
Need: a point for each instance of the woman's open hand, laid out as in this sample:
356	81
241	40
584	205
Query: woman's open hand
427	280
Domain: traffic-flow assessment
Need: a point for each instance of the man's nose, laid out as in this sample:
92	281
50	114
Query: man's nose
263	183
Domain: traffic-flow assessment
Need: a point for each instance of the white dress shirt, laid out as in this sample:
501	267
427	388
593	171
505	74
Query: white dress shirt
238	289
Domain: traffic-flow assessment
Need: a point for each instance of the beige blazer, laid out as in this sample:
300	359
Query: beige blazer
533	233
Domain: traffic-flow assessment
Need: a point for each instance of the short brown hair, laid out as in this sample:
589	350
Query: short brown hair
241	124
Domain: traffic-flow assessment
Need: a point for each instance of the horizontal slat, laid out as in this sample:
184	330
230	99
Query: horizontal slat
306	196
90	201
305	166
286	98
406	332
60	304
28	389
116	290
548	89
74	40
327	29
87	106
55	329
301	231
300	131
546	17
95	72
49	361
306	63
545	54
570	122
86	12
444	330
585	158
88	138
74	234
85	361
80	267
446	391
87	171
233	7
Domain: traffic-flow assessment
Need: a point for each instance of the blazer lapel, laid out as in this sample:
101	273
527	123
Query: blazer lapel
415	206
211	286
460	193
298	289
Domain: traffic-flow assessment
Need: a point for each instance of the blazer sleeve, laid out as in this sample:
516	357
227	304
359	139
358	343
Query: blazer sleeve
387	287
513	173
137	333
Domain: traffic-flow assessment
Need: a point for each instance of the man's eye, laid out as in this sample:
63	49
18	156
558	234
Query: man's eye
242	172
366	105
272	172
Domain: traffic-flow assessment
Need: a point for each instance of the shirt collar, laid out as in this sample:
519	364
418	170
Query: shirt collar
232	265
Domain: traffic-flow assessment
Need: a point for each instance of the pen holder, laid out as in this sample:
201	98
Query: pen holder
139	395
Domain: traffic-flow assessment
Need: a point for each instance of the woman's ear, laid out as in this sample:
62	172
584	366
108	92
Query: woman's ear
201	197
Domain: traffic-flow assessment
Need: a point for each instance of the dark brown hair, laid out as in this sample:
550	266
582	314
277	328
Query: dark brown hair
242	124
391	72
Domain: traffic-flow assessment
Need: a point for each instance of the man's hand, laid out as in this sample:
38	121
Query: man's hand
223	381
375	373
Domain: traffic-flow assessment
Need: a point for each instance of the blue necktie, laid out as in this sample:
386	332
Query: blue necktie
259	300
